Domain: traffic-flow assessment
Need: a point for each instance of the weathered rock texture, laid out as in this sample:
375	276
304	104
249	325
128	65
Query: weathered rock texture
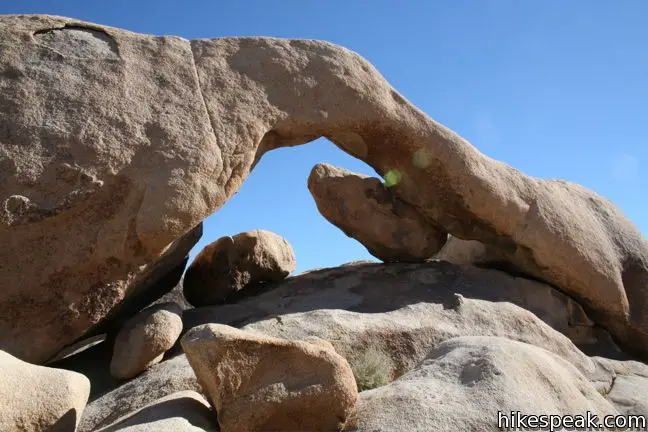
37	398
412	305
103	133
185	411
115	144
257	382
144	339
229	264
464	382
401	312
628	389
163	379
368	211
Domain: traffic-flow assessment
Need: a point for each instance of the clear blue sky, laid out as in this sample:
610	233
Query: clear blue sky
558	89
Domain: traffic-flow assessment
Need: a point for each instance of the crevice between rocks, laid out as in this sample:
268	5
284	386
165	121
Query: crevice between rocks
608	390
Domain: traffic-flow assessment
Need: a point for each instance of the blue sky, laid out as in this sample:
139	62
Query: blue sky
558	89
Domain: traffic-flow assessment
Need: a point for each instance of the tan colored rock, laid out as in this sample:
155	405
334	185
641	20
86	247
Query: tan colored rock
571	236
368	211
161	380
464	382
37	398
257	382
90	186
230	264
144	339
97	179
185	411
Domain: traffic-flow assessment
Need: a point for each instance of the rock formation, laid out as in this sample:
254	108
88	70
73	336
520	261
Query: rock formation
144	339
561	212
368	211
185	411
162	380
98	179
114	146
465	382
38	398
230	264
256	382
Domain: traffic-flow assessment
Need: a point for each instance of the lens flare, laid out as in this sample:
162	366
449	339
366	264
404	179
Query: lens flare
392	177
421	158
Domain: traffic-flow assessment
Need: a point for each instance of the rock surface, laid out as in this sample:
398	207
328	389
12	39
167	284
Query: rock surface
414	303
463	383
144	339
230	264
97	180
368	211
170	376
256	382
87	189
628	391
37	398
185	411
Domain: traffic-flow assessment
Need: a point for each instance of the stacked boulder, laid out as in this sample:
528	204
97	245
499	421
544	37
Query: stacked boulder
144	339
230	264
365	209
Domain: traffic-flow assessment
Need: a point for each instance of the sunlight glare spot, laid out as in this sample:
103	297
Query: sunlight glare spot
392	177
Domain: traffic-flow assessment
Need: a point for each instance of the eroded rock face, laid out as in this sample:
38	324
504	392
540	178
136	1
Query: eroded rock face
38	398
365	209
144	339
231	263
163	379
257	382
464	382
185	411
83	184
96	180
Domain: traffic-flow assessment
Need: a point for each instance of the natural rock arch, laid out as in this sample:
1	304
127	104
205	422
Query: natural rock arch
134	151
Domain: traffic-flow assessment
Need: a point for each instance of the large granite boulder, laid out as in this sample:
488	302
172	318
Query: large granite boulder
83	183
114	144
395	316
367	210
38	398
230	264
257	382
471	383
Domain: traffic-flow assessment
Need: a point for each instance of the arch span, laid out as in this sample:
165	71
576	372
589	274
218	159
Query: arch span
107	160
